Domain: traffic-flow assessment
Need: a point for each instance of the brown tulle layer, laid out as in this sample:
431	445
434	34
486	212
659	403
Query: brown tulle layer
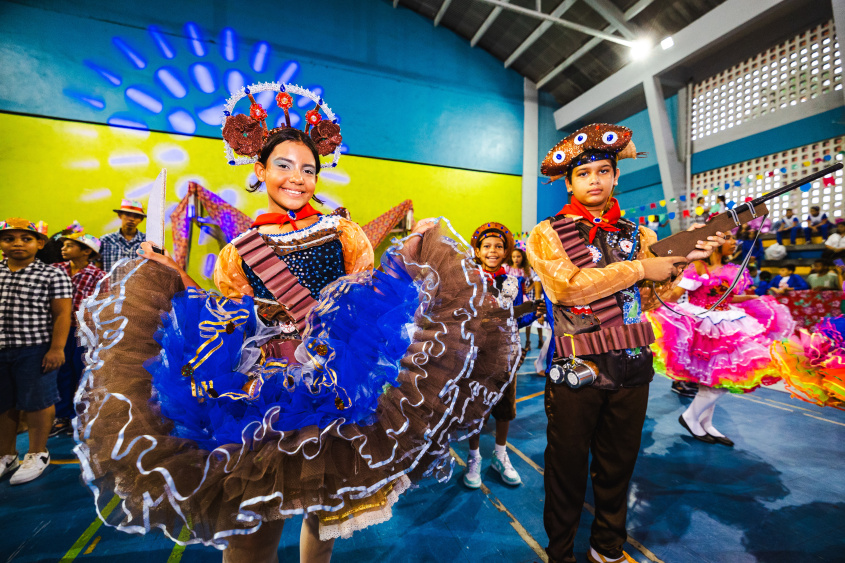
462	356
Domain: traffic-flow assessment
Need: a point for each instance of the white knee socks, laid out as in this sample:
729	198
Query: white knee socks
699	415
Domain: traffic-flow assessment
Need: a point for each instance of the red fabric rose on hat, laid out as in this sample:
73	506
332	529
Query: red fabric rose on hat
326	136
244	134
313	116
284	100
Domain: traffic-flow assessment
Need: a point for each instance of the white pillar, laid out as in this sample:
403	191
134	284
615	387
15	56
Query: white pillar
530	156
672	174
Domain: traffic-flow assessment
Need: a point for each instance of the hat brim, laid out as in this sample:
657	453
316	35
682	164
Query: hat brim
141	213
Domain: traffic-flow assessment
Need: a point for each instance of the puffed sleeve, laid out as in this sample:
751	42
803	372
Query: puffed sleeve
357	250
664	289
229	274
567	284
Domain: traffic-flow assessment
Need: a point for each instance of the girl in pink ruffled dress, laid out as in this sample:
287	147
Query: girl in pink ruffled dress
726	349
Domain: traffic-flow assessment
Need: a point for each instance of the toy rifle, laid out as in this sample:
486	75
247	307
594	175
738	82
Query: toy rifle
681	244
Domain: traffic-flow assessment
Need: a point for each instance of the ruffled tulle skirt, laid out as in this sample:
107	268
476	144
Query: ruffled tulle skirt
726	349
813	363
186	414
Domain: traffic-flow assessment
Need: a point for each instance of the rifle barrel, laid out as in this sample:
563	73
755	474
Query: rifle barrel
801	182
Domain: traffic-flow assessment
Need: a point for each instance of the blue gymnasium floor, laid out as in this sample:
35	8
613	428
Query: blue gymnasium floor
779	496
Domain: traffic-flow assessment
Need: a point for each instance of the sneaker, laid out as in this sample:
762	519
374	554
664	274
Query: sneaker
9	463
61	426
594	556
32	467
685	388
472	475
506	470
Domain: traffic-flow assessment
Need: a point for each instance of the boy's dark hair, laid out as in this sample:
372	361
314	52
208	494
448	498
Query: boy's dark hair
789	267
816	207
286	134
765	275
590	156
721	198
700	199
752	268
52	251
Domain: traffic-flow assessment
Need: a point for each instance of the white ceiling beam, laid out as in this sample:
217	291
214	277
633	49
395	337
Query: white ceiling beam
537	33
485	26
614	17
565	23
718	26
629	14
443	7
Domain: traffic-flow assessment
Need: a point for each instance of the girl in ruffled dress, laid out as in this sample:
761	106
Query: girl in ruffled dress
310	385
723	350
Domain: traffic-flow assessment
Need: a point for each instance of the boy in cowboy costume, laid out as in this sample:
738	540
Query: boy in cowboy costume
125	242
599	276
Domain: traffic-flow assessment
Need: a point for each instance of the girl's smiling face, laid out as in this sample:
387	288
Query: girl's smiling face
290	176
491	253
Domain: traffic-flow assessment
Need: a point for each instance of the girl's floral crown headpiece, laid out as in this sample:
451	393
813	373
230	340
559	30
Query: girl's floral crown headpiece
244	135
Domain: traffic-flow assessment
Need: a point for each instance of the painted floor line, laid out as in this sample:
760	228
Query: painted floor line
789	405
64	462
178	550
76	548
520	529
525	398
640	547
759	402
824	419
38	529
93	545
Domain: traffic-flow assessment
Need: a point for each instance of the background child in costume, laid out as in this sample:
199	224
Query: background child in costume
493	244
35	303
530	283
726	349
592	263
80	251
127	240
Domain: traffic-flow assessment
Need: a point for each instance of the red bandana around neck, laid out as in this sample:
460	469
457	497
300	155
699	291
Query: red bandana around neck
281	218
607	222
493	275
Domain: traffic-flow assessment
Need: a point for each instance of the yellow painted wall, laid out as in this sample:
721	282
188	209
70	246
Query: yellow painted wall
60	171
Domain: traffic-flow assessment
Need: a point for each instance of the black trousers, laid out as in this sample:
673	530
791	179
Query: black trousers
580	421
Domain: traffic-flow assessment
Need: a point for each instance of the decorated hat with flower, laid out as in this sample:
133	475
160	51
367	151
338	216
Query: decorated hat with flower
85	239
244	135
493	230
18	224
597	141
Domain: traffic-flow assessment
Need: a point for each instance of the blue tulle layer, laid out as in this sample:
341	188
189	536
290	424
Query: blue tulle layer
351	352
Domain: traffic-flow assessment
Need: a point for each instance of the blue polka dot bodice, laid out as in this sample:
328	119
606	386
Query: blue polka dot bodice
315	268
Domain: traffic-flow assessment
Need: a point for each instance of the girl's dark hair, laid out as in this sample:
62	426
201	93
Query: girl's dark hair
526	267
286	134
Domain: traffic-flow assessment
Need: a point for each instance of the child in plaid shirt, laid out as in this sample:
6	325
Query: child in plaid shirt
35	303
80	251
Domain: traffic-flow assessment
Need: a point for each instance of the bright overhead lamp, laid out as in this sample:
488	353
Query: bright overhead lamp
640	49
667	43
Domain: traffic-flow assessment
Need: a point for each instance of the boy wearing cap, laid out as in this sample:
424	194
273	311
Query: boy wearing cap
125	242
592	264
35	303
79	250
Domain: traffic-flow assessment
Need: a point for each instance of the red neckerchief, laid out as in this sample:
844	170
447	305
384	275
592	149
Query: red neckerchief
281	218
607	222
493	275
